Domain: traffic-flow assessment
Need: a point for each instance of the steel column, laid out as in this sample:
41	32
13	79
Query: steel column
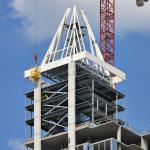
92	102
117	107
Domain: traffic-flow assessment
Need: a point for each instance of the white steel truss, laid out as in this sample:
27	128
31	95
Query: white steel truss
73	41
74	36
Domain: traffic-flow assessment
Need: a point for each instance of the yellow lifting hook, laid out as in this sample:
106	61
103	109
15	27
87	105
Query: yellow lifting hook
35	72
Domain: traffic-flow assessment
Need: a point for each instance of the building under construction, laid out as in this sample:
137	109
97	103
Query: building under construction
75	104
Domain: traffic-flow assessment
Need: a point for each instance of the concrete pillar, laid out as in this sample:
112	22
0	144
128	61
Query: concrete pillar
144	143
37	116
119	137
71	105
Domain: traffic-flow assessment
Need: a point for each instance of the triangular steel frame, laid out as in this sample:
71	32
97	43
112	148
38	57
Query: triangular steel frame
69	45
74	40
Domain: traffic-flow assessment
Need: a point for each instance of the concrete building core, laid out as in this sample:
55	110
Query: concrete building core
75	104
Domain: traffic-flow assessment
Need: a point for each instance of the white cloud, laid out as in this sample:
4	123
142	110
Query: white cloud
129	16
132	18
16	144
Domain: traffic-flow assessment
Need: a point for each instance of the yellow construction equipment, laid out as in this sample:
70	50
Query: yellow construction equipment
35	74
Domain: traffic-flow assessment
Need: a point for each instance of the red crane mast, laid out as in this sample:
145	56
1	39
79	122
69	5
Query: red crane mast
107	30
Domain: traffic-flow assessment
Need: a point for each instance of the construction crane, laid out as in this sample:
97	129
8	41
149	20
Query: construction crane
140	3
107	28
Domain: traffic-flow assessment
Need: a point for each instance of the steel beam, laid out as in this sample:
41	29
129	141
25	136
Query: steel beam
118	75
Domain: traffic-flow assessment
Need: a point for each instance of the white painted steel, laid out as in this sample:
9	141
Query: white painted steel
57	63
57	35
119	137
37	116
116	72
91	35
70	50
92	103
118	75
74	36
71	105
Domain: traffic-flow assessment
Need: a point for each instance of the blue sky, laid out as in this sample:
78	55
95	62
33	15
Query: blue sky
16	55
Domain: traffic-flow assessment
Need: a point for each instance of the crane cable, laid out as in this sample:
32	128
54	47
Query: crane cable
35	73
35	34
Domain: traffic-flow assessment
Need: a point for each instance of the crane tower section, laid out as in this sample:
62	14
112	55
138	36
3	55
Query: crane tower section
107	30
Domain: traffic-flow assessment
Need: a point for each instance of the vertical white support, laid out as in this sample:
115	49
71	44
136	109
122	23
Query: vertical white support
97	104
117	107
106	106
71	105
144	143
119	134
119	137
37	116
104	145
92	102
